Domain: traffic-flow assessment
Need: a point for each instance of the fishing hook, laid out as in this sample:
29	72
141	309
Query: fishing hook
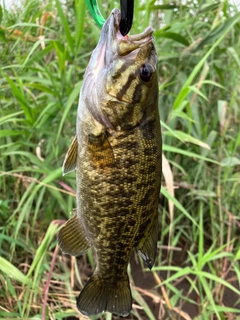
127	7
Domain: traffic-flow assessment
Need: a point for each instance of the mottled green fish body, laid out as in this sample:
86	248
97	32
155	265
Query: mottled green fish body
117	157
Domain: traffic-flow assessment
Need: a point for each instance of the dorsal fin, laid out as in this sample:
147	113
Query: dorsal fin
70	160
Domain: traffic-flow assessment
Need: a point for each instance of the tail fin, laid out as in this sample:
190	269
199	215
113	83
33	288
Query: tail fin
99	295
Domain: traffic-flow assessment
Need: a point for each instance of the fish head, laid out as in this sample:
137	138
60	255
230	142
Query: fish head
123	73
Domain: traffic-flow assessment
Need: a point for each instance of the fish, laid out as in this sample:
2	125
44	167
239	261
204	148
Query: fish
117	157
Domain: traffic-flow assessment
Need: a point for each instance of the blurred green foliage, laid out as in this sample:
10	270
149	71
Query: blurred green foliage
44	50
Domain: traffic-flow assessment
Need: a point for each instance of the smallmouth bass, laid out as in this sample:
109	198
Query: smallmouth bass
117	157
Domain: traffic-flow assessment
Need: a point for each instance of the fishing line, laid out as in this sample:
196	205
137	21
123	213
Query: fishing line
127	7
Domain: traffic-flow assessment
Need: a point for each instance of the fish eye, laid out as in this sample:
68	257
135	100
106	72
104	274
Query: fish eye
146	72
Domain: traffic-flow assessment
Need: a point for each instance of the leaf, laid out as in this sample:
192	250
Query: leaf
180	272
10	117
21	99
80	9
230	162
1	14
173	36
181	97
72	98
237	256
11	271
217	279
225	309
208	7
66	28
164	7
235	55
139	299
214	84
197	91
185	89
34	47
168	176
185	137
28	155
205	284
203	193
38	55
187	153
218	32
6	133
167	56
222	111
11	240
2	34
42	249
178	205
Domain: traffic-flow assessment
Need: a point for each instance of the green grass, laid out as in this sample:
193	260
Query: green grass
44	50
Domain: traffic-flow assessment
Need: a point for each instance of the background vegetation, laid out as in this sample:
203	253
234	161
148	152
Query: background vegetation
44	50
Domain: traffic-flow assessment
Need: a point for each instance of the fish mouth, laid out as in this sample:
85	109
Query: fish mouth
128	45
112	44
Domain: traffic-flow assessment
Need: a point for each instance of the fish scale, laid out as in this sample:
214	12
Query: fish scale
117	157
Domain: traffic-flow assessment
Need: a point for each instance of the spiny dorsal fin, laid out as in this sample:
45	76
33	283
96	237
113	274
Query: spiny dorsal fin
70	160
147	247
72	238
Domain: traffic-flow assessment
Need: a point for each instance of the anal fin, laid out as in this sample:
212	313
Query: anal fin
70	160
147	247
72	239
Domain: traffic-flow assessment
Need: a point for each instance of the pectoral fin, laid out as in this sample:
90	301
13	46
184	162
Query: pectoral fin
147	247
70	160
99	148
72	238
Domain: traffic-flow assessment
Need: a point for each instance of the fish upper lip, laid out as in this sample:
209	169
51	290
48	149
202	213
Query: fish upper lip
116	16
133	41
140	37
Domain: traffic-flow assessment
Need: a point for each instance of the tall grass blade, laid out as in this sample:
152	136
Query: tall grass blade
13	272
